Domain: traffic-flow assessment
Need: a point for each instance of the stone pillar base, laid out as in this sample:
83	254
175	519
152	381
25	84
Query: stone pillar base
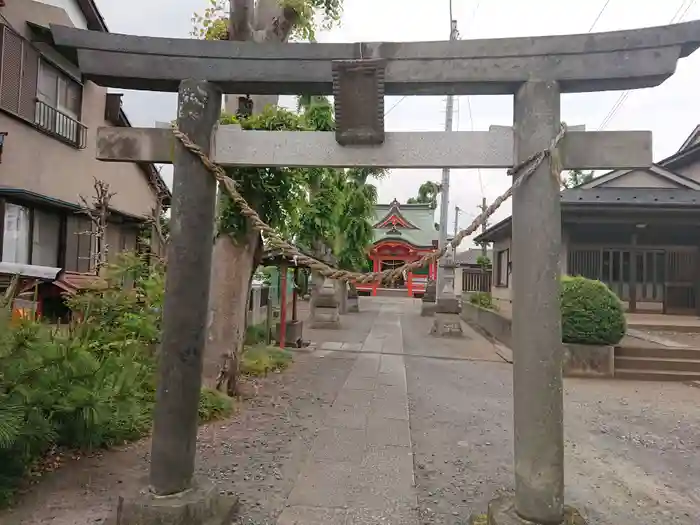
448	305
353	305
502	512
293	333
201	505
447	325
325	312
427	309
324	321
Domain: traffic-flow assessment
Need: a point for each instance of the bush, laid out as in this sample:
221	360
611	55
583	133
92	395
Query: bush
91	385
255	334
591	313
483	300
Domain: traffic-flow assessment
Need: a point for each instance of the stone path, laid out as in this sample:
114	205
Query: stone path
360	470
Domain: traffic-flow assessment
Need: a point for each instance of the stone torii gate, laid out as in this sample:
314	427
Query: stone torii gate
535	70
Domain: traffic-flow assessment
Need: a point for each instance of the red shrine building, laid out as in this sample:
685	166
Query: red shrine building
403	233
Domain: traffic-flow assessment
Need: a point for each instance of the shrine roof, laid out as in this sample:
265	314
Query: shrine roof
415	223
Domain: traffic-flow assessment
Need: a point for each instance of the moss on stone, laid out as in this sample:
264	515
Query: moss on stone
573	517
478	519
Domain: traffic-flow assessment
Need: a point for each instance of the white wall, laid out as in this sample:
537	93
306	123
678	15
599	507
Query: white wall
72	10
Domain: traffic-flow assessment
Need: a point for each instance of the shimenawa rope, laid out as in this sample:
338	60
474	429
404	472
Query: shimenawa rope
274	239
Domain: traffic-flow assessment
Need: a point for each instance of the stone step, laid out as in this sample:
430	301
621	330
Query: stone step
659	352
656	375
657	364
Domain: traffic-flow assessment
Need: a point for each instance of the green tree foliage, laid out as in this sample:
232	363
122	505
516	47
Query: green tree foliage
483	262
341	203
575	178
590	313
355	233
427	194
276	194
90	384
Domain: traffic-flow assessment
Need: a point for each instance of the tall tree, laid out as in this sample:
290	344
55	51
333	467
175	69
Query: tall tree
276	195
427	194
237	245
575	178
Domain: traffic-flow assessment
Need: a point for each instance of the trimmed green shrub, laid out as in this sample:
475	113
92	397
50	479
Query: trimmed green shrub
591	314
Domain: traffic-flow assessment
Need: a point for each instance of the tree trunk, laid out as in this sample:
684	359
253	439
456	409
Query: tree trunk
272	23
233	264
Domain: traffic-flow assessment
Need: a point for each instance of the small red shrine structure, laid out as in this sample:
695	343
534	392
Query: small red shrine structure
402	233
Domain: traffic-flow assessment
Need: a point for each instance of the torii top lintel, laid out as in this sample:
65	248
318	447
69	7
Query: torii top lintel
580	63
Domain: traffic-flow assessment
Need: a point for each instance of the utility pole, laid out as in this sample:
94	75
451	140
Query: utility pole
484	225
457	210
445	185
447	309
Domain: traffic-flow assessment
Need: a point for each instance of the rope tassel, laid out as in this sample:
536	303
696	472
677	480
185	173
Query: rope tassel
520	173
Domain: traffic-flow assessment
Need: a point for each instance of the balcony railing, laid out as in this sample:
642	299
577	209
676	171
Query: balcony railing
59	125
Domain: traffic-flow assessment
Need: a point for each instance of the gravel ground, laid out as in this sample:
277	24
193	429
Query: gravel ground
257	454
631	456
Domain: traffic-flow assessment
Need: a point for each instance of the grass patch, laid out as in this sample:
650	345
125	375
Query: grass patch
214	405
483	300
260	360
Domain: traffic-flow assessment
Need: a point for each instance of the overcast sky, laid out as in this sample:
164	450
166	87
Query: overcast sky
671	110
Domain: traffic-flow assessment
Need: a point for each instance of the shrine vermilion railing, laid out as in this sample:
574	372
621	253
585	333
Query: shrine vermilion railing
535	70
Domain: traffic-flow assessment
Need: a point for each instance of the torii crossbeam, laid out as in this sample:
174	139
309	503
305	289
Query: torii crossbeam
463	149
579	63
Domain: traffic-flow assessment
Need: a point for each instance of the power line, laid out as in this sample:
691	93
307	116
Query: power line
469	103
478	170
600	13
677	17
392	108
458	112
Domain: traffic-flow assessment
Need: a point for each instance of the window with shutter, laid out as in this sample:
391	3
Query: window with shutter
79	244
12	58
30	75
38	92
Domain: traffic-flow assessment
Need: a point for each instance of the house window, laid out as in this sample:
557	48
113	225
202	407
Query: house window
46	234
502	260
58	103
37	92
80	245
15	241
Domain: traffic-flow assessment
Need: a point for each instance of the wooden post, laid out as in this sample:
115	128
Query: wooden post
268	318
375	268
187	283
537	355
633	274
283	305
295	295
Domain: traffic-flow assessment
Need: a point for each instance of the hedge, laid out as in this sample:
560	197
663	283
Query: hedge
590	313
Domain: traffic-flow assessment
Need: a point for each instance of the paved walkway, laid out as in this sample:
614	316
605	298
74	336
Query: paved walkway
361	465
